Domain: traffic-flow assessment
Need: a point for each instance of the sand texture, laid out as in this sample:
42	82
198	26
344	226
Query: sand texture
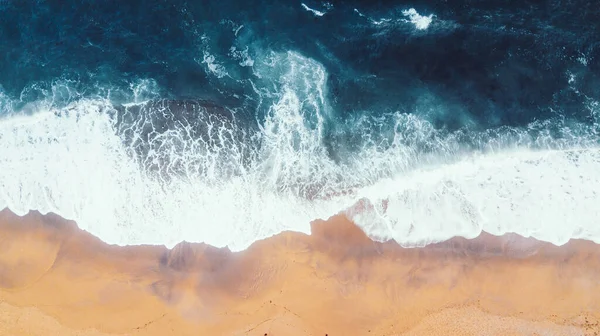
56	279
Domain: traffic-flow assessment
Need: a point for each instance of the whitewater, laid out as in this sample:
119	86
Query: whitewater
233	123
415	184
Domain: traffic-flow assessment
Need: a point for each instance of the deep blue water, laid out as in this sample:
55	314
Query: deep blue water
479	64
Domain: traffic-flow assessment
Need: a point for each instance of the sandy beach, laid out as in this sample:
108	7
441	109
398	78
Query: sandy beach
56	279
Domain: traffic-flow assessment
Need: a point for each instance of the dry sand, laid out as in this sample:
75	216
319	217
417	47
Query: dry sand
56	279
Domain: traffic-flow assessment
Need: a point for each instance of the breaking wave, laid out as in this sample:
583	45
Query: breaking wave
283	139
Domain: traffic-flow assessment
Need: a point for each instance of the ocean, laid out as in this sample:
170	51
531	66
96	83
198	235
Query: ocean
225	122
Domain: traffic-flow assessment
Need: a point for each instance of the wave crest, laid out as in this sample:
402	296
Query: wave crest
163	171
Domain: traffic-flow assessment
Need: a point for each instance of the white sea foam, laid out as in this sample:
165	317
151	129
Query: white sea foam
241	56
373	21
551	195
421	22
75	165
212	66
583	59
314	11
75	162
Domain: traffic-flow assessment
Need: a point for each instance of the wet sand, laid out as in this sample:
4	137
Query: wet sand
56	279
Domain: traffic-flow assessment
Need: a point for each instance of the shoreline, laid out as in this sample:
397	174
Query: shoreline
335	281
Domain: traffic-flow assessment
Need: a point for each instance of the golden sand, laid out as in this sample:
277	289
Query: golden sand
56	279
